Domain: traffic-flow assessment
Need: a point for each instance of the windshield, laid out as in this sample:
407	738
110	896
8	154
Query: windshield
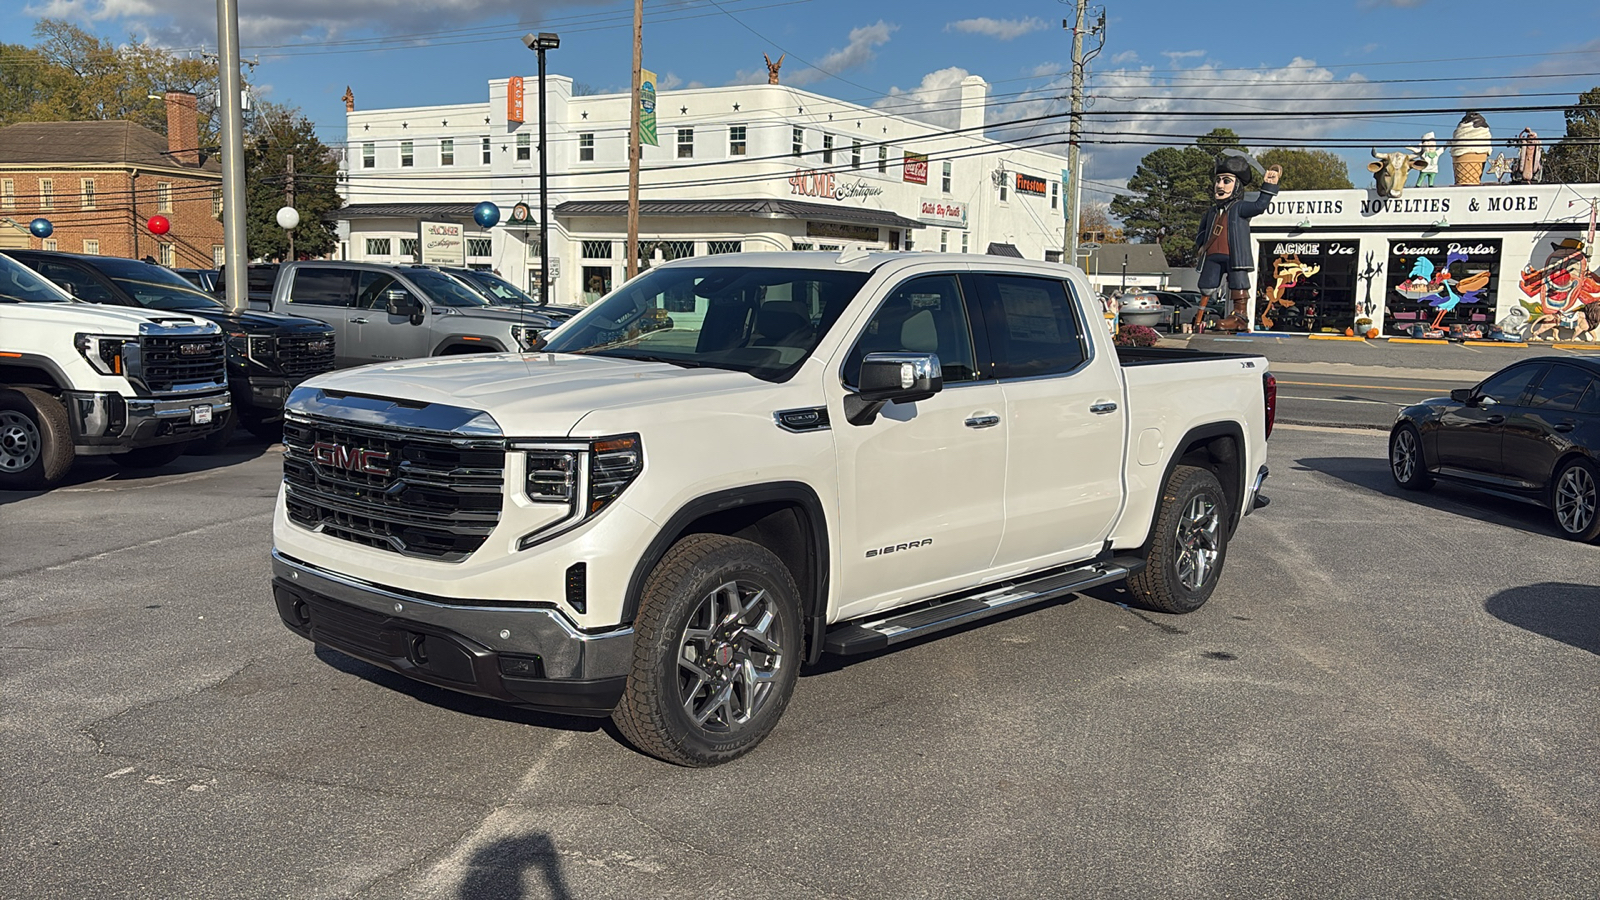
499	290
117	269
757	320
20	284
444	290
167	296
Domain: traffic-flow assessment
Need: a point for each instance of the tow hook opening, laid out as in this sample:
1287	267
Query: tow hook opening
301	613
419	649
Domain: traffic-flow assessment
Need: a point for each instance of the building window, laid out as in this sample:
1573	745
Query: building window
51	244
480	247
797	141
166	255
86	197
855	154
1055	194
216	203
524	147
910	243
91	247
219	255
827	148
944	241
405	154
670	250
164	196
1003	176
964	244
377	246
685	143
369	155
447	152
8	194
736	143
411	248
883	158
715	247
596	249
947	178
1052	256
485	144
802	245
586	147
47	193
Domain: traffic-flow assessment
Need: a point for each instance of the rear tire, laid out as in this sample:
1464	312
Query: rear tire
150	457
717	648
35	440
1407	463
1575	500
1188	544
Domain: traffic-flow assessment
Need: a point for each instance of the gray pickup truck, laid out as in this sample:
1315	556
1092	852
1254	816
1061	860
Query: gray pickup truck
381	313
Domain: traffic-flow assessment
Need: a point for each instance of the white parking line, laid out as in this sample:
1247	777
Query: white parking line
1340	400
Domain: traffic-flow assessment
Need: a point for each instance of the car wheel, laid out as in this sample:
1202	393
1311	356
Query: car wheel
35	440
717	649
150	457
1574	498
1406	462
1188	545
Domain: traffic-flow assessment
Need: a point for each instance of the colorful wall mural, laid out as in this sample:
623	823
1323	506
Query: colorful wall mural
1439	288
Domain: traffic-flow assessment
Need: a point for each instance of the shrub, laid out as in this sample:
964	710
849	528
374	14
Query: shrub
1136	336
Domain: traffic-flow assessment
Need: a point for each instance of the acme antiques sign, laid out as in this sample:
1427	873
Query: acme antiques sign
811	183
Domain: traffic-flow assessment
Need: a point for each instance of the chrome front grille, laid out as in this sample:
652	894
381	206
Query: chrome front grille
182	362
305	354
430	495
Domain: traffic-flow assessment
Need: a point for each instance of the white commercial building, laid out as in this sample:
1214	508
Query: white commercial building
751	167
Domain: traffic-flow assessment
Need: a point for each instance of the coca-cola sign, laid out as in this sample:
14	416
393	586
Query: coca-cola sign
915	167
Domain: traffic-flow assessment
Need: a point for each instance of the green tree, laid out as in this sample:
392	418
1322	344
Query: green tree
1171	190
1576	157
1309	170
277	131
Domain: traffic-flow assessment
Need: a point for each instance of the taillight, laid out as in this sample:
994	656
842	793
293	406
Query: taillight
1269	391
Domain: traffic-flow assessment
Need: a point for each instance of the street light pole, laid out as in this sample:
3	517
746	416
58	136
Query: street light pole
539	43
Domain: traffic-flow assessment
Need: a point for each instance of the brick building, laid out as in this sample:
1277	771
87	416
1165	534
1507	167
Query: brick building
100	182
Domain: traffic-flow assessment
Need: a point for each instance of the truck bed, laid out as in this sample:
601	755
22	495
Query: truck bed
1155	356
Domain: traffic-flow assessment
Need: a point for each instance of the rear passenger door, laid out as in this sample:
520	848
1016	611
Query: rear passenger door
1064	421
1543	428
325	293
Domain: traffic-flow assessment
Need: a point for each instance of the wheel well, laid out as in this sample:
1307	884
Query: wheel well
1565	458
29	376
1220	454
779	526
460	350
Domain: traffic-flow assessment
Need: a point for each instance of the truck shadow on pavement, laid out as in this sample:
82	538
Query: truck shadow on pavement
496	871
1561	611
1373	475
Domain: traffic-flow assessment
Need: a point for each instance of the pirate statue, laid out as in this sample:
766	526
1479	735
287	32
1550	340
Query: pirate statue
1222	247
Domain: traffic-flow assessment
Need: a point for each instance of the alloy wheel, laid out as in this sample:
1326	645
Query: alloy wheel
1575	499
1403	456
20	443
1198	542
729	656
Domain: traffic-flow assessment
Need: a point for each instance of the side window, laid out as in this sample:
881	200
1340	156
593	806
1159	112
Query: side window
374	289
1510	385
261	281
924	315
1559	390
1589	403
80	283
1033	326
322	287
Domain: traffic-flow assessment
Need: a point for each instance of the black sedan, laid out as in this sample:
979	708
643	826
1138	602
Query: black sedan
1531	431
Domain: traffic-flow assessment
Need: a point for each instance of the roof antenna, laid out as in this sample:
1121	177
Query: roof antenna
852	253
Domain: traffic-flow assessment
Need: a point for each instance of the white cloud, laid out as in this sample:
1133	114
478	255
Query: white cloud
935	101
859	51
1173	56
666	82
1000	29
1044	69
1125	57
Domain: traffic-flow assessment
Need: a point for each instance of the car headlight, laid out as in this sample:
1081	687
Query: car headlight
109	354
263	348
527	336
584	477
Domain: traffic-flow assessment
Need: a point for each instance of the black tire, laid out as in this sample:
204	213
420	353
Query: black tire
217	441
673	666
1575	499
269	431
1188	544
150	457
1407	463
35	440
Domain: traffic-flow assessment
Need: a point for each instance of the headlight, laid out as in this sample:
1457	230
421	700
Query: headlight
263	348
527	336
109	354
583	477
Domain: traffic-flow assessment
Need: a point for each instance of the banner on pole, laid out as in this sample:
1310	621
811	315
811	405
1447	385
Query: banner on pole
647	108
514	100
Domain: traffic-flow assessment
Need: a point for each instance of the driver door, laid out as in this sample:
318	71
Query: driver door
1469	436
381	336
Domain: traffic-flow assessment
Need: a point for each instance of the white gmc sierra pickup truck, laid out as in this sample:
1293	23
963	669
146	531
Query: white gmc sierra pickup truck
731	465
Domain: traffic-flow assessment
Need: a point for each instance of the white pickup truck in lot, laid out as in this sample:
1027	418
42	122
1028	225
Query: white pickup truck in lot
730	466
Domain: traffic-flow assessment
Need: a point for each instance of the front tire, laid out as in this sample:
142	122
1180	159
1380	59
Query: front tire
35	440
1188	545
717	649
1406	461
1575	500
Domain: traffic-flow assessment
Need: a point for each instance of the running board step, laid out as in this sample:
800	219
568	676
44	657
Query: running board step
880	632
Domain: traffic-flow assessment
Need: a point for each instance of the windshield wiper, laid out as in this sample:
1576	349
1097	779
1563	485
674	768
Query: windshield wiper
669	360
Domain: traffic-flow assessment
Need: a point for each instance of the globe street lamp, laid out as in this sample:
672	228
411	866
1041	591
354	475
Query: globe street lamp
539	43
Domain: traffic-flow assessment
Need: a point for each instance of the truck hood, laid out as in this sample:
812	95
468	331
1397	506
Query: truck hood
508	314
91	318
256	322
534	394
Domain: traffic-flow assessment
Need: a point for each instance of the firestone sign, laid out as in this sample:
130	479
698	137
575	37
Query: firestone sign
935	211
1028	184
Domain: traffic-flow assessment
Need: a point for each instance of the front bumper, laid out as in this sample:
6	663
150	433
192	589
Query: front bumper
106	422
264	395
527	656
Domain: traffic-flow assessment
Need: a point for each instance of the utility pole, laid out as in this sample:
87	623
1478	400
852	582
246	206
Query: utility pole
288	193
228	84
634	150
1069	245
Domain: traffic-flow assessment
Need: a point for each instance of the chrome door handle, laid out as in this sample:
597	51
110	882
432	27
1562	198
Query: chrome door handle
1495	420
1564	427
360	321
1102	408
983	421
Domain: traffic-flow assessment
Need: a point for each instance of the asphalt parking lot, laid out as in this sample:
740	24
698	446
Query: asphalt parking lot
1390	695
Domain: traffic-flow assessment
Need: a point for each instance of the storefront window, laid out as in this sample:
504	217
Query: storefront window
1306	286
596	283
1437	284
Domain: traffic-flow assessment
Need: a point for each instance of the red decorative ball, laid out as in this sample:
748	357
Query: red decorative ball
158	225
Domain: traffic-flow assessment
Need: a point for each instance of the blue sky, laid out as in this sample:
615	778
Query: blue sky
1160	57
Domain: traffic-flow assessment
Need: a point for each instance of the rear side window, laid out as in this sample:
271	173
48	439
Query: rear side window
1510	385
1033	326
261	281
1589	404
1560	389
315	286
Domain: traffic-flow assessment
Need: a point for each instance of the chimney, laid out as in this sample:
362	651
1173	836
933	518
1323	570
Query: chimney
974	95
183	128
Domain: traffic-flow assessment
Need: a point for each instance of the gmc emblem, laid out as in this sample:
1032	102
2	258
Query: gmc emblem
317	346
354	459
193	349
